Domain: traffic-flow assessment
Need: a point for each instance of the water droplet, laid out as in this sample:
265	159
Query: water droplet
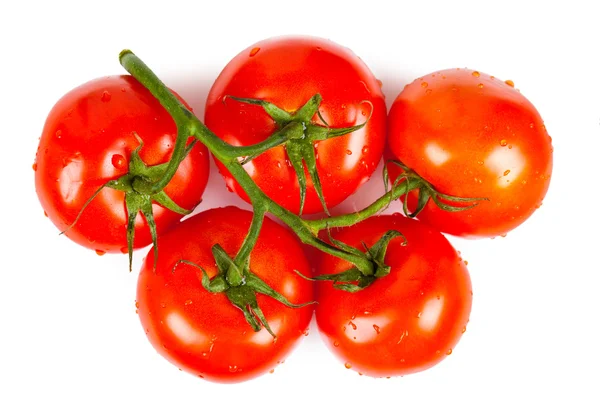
377	330
124	249
306	333
254	51
510	146
46	214
437	352
100	252
58	133
424	84
506	172
503	143
428	91
449	352
233	368
531	125
123	90
137	304
419	314
347	365
348	152
336	343
464	329
380	83
272	371
118	161
480	85
510	83
475	74
466	262
163	305
319	48
34	166
106	96
188	302
353	325
479	162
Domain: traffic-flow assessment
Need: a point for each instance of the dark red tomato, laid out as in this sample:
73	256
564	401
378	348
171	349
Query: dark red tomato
472	135
88	139
410	319
288	71
203	333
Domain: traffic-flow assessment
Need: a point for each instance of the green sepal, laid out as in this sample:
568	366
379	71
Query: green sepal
260	286
280	116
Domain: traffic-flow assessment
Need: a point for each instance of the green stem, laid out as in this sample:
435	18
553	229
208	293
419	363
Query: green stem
358	216
243	254
189	125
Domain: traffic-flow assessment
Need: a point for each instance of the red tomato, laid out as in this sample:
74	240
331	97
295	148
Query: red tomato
203	333
87	140
406	321
472	135
288	71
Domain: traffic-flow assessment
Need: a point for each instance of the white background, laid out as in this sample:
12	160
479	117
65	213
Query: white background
69	335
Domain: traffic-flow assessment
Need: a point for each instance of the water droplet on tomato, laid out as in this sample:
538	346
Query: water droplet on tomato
353	325
124	249
319	48
163	305
272	371
428	91
137	304
506	172
480	85
254	51
118	161
188	302
424	84
380	83
100	252
233	368
466	262
437	352
464	329
377	330
503	143
306	333
419	314
336	343
348	365
449	352
46	214
123	90
475	74
510	83
105	96
348	152
34	166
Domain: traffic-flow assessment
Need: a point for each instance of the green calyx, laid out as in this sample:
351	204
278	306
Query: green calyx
138	198
298	133
241	286
355	279
410	178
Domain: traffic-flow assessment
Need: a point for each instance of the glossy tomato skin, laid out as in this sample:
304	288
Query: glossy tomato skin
87	140
287	71
203	333
410	319
472	135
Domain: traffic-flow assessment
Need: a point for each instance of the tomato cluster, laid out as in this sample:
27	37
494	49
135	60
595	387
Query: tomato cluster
302	124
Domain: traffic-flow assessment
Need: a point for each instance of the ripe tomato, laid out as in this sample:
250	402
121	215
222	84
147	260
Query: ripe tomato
404	322
472	135
203	333
288	71
87	140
